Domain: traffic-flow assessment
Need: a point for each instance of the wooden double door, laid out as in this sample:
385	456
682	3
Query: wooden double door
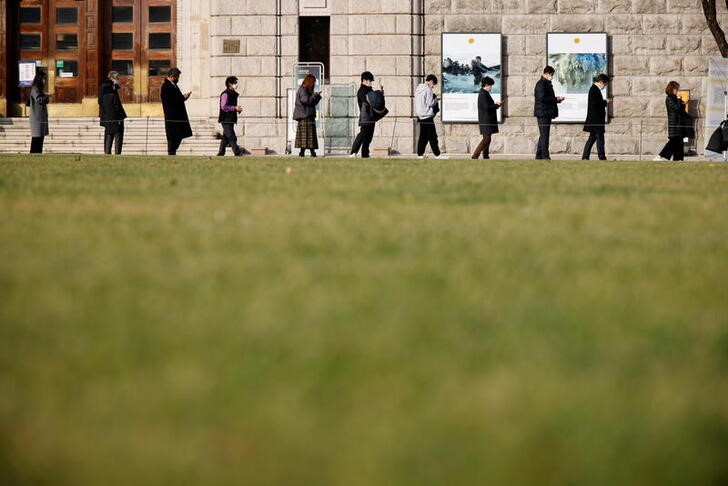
79	41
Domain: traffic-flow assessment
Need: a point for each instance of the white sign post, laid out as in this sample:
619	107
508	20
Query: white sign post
716	109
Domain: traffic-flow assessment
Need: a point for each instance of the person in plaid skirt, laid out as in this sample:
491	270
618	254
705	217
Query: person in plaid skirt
305	114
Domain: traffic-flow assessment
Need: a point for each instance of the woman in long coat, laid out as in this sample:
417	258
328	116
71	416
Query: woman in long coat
304	113
111	113
38	115
675	116
176	122
487	117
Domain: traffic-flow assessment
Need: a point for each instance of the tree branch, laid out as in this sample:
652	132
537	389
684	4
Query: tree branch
712	20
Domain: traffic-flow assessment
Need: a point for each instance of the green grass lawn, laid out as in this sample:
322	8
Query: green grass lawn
383	322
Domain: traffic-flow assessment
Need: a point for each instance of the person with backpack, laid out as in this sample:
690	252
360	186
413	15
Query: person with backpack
304	113
38	112
228	117
111	113
426	107
367	118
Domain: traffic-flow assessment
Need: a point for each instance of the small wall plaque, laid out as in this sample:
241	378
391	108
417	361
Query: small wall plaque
231	46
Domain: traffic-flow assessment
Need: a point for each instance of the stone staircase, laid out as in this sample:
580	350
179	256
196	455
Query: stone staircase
85	136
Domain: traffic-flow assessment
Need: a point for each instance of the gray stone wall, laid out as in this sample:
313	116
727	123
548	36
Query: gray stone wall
651	41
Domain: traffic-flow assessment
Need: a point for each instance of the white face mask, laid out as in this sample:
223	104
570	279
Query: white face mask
234	86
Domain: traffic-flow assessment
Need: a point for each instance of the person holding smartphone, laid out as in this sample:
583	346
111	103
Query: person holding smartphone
304	113
596	116
38	112
176	122
545	109
487	118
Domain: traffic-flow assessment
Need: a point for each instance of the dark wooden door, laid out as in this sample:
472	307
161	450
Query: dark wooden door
67	49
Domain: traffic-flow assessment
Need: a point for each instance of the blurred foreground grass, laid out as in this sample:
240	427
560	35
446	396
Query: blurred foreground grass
207	321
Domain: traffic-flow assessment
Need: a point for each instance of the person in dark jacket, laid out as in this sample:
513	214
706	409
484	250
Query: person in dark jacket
228	117
545	109
366	117
596	116
176	122
38	112
304	113
111	113
487	117
675	116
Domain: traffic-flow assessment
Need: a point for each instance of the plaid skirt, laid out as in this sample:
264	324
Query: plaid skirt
306	135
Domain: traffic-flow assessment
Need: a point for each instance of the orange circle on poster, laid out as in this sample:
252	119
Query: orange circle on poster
471	41
576	40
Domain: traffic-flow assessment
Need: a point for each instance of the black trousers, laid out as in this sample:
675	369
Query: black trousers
363	139
674	148
598	137
483	147
36	145
544	135
229	138
115	138
172	145
428	134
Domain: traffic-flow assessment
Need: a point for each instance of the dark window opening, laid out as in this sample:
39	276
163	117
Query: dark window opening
313	41
124	67
123	42
160	41
160	14
30	42
66	15
29	15
122	15
67	69
66	42
159	68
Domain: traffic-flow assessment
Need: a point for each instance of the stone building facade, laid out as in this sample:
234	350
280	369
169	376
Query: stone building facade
651	42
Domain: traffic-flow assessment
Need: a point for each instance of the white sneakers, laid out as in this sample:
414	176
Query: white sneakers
442	156
420	156
352	156
659	159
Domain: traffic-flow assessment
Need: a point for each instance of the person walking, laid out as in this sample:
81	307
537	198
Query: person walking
675	119
38	112
176	122
487	117
366	117
426	108
545	109
304	113
111	113
228	117
596	118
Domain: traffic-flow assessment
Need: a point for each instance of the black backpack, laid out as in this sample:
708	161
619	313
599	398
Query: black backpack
378	104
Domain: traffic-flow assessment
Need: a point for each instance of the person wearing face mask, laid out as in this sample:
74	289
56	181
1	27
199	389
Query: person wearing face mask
228	117
38	111
176	122
545	109
111	113
596	116
366	117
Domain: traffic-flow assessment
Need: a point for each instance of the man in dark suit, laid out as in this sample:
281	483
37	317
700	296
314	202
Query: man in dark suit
366	117
596	116
176	122
545	109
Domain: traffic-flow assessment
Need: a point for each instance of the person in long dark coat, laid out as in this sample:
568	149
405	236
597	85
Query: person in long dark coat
304	113
675	116
487	117
38	113
176	122
545	109
111	113
596	115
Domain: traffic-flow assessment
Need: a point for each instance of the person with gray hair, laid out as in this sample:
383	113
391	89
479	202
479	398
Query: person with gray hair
111	113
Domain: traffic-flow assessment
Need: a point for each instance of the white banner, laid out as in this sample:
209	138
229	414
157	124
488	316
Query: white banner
715	109
577	59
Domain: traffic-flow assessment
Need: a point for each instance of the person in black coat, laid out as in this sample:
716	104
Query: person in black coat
675	119
487	117
545	109
111	113
596	116
228	117
366	117
176	122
